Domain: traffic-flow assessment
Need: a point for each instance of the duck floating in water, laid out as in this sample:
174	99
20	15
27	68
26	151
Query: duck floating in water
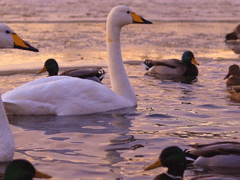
174	67
9	39
174	159
64	95
218	154
233	35
233	76
95	74
21	169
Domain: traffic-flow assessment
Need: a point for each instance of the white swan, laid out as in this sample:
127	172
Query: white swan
8	39
62	95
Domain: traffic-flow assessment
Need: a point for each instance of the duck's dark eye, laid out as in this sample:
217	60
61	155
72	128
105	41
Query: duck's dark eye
128	12
7	31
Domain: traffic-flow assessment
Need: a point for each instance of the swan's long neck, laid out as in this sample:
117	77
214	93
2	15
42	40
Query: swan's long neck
7	146
119	80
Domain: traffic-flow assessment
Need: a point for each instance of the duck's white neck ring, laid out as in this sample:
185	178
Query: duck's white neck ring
174	177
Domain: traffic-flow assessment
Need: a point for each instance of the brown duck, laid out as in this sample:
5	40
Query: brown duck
233	76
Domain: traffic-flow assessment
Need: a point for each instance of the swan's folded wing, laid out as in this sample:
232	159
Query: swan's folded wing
25	107
63	95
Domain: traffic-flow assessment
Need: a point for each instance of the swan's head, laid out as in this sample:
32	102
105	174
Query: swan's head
9	39
123	15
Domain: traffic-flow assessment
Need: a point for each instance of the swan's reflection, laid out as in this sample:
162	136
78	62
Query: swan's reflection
85	140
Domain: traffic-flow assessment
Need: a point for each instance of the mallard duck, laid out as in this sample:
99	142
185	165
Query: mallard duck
233	35
9	39
175	67
218	154
64	95
21	169
233	76
174	159
95	74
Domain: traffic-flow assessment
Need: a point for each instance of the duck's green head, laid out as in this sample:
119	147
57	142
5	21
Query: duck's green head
51	66
22	169
188	58
173	158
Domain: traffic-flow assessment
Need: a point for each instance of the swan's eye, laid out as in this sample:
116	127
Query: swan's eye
7	31
128	12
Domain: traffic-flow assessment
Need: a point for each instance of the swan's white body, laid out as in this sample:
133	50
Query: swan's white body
8	39
7	146
72	96
63	95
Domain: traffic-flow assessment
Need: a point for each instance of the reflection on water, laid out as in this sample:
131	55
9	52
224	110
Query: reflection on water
63	124
76	139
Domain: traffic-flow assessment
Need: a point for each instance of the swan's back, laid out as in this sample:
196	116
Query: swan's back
62	95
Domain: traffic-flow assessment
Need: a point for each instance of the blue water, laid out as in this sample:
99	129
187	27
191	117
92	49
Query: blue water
119	144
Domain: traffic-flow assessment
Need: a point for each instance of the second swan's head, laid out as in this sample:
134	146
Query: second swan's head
9	39
123	15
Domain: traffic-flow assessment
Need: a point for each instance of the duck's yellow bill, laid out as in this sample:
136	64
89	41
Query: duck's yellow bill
158	163
20	44
42	175
44	69
194	61
139	19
